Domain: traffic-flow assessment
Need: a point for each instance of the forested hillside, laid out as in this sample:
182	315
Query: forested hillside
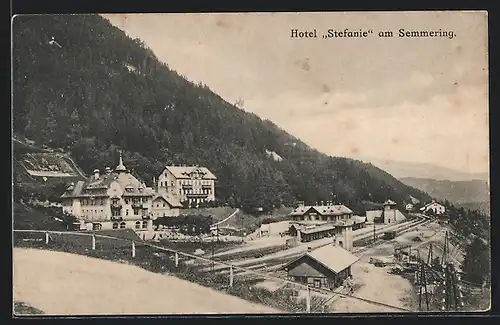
97	91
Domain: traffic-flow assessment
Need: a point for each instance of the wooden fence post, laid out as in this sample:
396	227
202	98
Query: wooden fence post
176	259
93	242
308	300
133	248
46	238
231	276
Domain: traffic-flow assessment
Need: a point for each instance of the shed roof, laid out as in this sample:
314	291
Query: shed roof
333	257
358	219
318	229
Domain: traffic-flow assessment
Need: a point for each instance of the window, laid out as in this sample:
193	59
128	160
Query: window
126	201
116	213
122	225
137	225
317	283
163	204
144	224
126	212
157	205
115	225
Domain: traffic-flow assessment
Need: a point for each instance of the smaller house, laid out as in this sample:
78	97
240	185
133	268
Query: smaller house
358	222
164	205
434	207
409	207
326	267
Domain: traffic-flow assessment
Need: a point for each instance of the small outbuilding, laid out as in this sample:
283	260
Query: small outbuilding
326	267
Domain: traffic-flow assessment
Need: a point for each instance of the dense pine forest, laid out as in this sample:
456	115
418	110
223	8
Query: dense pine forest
101	91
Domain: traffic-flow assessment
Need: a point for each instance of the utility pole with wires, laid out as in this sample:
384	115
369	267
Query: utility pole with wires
430	256
445	250
452	299
453	296
213	248
374	231
422	283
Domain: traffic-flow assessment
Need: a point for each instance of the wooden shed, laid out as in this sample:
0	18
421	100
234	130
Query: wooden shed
325	267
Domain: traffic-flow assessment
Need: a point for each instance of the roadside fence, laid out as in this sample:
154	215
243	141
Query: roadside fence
252	282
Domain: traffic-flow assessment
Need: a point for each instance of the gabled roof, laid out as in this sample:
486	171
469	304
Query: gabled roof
173	202
325	210
333	257
92	187
183	172
431	203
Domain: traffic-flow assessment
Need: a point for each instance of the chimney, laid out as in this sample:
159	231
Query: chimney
96	173
309	249
108	170
322	203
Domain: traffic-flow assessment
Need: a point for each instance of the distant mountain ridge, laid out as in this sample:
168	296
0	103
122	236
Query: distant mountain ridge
400	169
457	192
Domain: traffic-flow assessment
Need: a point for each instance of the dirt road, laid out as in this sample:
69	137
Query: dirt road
66	284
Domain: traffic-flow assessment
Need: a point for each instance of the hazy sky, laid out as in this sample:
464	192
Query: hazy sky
420	100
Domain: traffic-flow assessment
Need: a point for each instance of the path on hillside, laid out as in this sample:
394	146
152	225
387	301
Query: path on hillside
67	284
230	216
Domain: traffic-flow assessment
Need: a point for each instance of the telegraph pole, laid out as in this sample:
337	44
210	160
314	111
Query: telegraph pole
374	233
430	257
445	250
213	251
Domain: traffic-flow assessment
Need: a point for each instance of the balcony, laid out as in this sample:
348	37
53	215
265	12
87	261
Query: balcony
116	218
139	205
196	195
116	205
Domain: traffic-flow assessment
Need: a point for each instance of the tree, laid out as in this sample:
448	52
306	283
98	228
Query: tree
476	264
68	220
436	262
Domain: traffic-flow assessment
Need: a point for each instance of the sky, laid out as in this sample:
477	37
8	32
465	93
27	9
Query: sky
423	100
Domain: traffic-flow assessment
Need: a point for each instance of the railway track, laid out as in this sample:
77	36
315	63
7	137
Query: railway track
399	232
275	264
